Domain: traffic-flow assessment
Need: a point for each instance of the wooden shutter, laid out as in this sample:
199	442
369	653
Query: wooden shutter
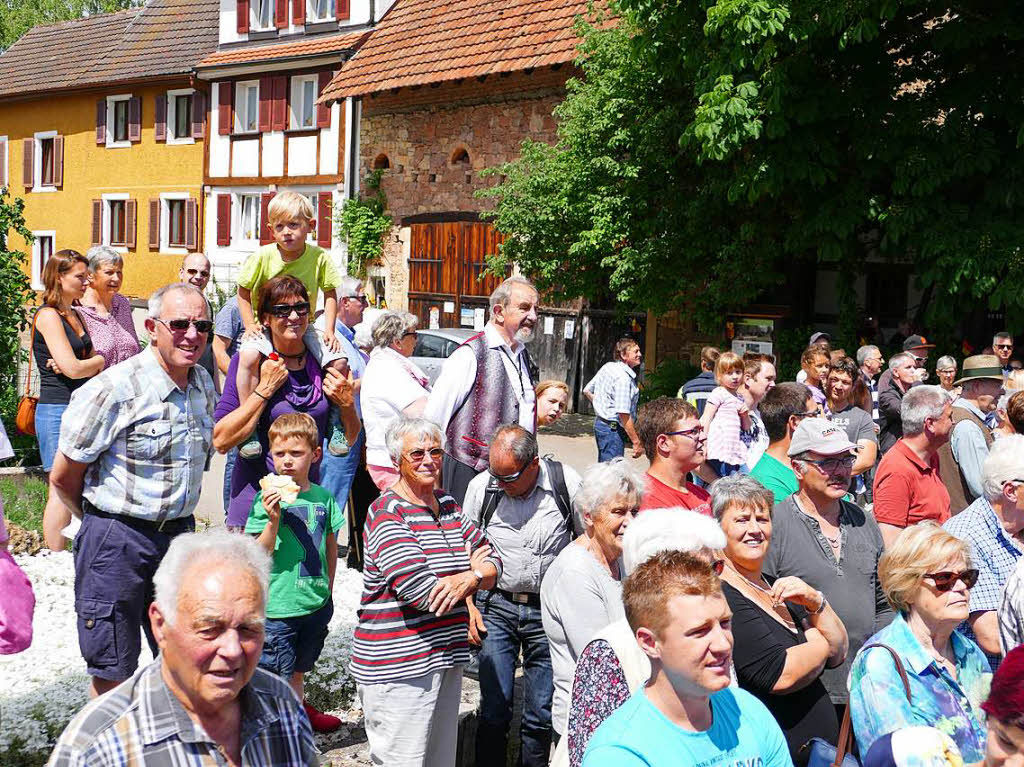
323	111
191	223
97	222
341	10
223	219
135	119
265	235
242	16
198	114
101	122
27	168
281	14
3	162
129	224
279	109
323	219
266	99
225	118
58	161
154	224
298	12
160	121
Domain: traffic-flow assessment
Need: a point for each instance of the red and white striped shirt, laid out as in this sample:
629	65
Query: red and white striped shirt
407	549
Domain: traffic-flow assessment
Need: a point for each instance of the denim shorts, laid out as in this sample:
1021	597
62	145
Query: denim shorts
48	431
294	644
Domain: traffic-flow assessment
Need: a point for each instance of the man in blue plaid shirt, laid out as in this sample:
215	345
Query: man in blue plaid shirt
614	393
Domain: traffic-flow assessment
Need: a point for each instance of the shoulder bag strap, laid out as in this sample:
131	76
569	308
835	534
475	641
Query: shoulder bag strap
899	667
845	744
492	497
31	352
561	493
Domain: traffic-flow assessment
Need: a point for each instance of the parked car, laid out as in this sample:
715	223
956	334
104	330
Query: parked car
433	347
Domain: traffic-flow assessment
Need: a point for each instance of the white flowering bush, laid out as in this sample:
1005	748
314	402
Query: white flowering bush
43	687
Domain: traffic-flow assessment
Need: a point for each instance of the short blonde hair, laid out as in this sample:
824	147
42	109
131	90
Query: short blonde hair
727	362
289	425
288	206
920	549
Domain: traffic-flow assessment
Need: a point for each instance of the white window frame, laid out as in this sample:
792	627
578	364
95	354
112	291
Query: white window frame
236	234
312	18
5	162
105	232
37	161
165	222
112	102
242	105
37	256
296	102
254	16
172	110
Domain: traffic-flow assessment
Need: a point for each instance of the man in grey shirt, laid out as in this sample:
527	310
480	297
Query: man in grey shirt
523	503
829	543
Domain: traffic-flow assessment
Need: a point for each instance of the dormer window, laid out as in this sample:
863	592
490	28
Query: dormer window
262	14
320	10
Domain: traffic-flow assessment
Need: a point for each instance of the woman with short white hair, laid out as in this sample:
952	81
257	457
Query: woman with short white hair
392	386
582	592
612	666
106	313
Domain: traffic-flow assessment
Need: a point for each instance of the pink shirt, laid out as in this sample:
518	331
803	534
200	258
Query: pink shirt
724	443
113	336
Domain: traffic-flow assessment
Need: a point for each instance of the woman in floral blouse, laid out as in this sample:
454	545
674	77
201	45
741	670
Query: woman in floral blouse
106	313
926	575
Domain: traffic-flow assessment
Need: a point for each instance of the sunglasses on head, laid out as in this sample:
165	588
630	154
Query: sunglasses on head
945	581
180	326
285	310
419	454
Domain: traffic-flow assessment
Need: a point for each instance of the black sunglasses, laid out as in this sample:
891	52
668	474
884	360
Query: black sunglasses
833	465
1004	346
945	581
510	478
285	310
359	299
201	272
180	326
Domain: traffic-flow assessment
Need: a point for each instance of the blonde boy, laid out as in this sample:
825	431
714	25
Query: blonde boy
291	219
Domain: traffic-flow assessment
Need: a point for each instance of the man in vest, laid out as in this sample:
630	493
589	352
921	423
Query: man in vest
485	382
524	503
960	461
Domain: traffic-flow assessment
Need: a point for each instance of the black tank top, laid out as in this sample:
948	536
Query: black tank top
56	389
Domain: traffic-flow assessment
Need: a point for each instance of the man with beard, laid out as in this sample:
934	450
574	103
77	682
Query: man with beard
487	381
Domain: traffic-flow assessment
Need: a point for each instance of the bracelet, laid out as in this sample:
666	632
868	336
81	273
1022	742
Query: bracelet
265	399
821	607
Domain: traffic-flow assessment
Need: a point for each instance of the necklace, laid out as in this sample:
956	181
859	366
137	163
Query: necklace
300	355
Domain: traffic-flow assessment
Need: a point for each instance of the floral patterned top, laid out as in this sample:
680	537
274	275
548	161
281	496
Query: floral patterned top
113	335
598	689
878	704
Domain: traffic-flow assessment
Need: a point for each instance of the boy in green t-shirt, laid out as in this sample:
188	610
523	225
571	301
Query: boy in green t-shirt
291	219
301	538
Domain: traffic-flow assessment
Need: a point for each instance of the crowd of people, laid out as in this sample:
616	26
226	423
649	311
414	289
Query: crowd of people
800	560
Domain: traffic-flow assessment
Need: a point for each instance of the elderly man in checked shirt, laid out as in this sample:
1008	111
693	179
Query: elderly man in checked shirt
133	446
614	393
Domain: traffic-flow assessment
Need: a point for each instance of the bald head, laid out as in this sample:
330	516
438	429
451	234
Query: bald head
195	270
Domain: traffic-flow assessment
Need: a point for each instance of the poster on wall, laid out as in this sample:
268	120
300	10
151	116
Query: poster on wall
752	335
435	318
466	317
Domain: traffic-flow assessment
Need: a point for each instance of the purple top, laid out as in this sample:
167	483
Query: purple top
302	392
113	337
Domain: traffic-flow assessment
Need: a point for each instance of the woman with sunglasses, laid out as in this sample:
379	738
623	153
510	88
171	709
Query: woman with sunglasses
785	633
612	666
926	575
424	557
392	386
582	591
290	381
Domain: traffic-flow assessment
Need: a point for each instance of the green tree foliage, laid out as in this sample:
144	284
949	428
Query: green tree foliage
711	147
19	16
363	223
15	292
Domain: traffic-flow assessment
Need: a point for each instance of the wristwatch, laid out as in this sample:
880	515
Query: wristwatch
821	607
479	577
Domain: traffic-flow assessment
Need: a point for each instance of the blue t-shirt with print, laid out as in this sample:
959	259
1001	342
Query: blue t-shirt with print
742	734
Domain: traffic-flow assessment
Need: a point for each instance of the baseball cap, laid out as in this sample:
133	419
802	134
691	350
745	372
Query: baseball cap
818	435
916	342
819	336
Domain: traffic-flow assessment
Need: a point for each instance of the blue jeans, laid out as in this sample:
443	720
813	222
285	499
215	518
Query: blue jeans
229	469
611	440
48	431
511	627
338	471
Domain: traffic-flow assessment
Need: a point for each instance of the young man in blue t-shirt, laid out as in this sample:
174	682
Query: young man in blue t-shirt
686	713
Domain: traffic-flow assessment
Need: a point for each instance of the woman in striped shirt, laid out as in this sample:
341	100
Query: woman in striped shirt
422	559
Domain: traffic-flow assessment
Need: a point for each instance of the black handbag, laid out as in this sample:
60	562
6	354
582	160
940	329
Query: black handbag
821	753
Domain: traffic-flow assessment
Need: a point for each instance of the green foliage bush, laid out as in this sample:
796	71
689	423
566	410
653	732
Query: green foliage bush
364	223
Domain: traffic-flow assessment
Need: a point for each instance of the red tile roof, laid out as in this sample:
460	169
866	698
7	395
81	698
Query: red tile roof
160	39
428	41
305	47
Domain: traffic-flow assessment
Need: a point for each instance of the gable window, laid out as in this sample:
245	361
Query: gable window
247	107
262	14
42	249
249	217
117	222
321	10
304	101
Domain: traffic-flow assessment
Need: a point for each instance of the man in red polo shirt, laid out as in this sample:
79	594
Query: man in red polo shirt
671	435
908	487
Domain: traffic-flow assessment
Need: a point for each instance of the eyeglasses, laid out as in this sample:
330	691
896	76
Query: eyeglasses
1004	346
946	580
717	566
408	333
833	465
180	326
508	479
359	299
200	272
947	372
693	433
285	310
805	414
417	456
